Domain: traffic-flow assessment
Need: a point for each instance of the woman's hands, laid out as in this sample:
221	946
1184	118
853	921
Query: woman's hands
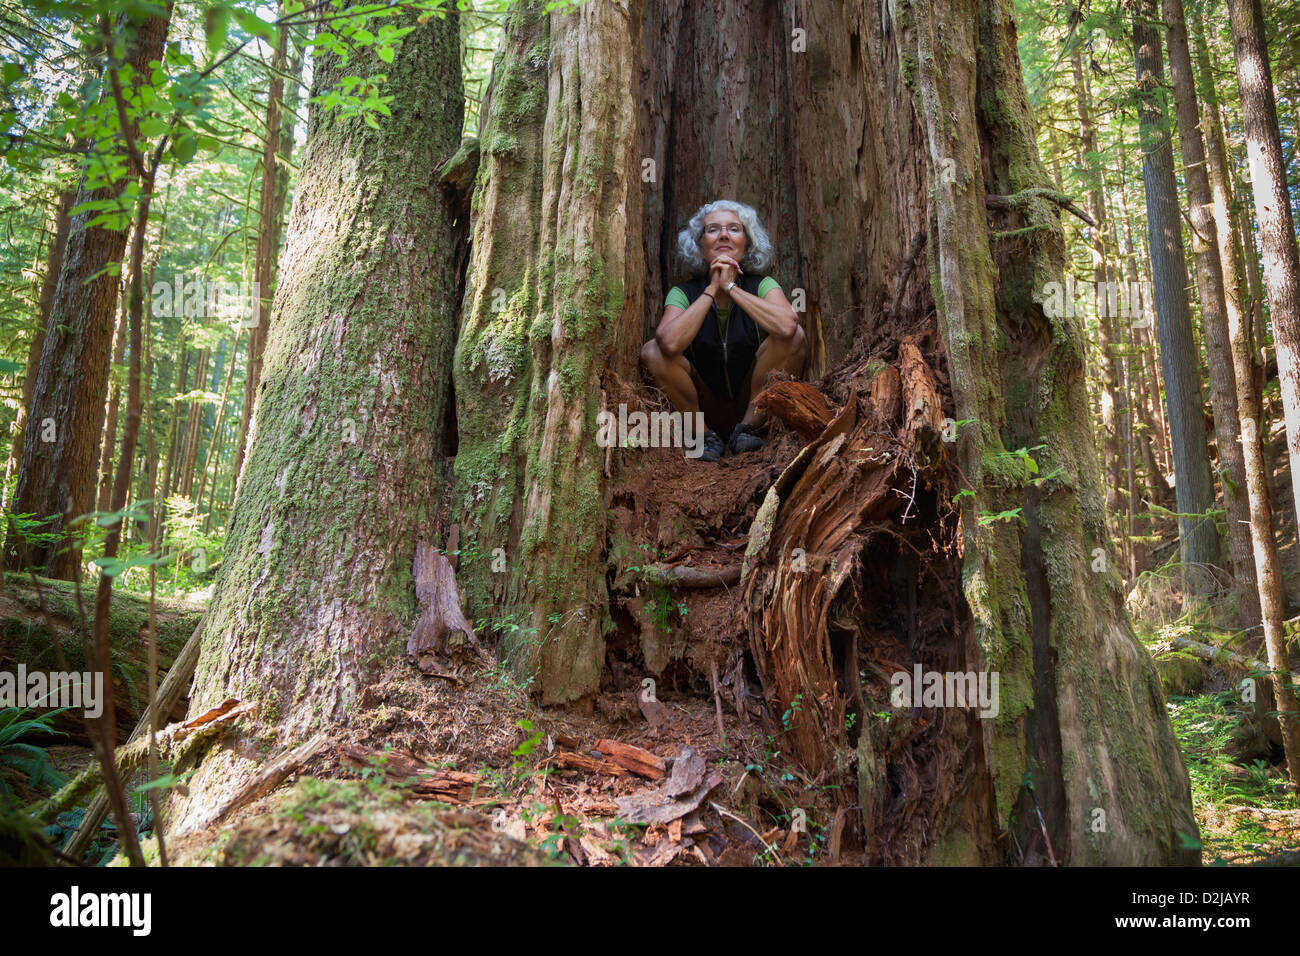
723	270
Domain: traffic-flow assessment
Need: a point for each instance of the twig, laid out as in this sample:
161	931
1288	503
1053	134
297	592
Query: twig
766	848
717	698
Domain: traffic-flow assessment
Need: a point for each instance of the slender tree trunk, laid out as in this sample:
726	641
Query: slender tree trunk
57	477
1214	314
311	598
270	210
212	461
1193	487
193	429
114	402
1112	409
176	422
1282	275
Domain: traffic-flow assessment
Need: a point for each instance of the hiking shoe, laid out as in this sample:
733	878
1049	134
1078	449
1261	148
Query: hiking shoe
744	438
713	446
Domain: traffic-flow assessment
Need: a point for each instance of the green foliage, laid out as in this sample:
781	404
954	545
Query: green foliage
16	723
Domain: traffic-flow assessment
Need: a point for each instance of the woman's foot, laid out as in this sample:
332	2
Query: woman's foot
713	446
744	438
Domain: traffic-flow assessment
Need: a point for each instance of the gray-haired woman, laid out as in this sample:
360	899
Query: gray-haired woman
724	329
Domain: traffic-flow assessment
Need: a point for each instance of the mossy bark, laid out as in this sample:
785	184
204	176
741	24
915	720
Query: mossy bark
554	291
1082	726
343	468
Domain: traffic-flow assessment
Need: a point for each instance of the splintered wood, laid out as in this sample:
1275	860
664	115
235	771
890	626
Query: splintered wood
858	478
797	404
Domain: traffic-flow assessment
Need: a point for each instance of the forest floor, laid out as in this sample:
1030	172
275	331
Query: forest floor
687	770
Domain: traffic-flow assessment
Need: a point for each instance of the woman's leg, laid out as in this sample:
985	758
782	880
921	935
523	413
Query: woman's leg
673	376
789	355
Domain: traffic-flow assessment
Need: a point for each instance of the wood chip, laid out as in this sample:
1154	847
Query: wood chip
641	762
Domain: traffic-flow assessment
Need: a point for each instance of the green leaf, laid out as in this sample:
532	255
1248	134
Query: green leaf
185	147
255	25
385	53
216	23
9	366
152	126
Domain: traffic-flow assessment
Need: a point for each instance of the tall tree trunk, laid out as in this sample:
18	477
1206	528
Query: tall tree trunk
1112	410
1193	487
53	266
57	477
1282	276
114	402
1214	314
343	470
555	287
270	209
212	461
194	428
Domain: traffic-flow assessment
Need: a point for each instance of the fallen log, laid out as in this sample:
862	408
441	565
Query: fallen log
177	743
682	576
173	687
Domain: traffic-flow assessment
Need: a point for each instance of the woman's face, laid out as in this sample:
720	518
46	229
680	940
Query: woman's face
723	235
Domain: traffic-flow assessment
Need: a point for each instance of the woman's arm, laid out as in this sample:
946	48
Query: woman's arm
773	312
678	327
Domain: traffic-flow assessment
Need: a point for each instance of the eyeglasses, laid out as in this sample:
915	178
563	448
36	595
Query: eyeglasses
733	229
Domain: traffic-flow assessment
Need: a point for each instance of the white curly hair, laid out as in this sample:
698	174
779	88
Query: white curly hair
758	247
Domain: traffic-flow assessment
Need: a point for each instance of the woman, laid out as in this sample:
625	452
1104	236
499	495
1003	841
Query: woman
725	329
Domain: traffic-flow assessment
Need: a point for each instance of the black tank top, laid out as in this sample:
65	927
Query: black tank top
725	363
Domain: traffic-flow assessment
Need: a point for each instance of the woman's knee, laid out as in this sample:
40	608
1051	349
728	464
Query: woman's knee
651	356
799	345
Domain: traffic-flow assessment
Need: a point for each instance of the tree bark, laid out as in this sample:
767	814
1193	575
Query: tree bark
57	478
53	266
1193	488
1114	410
343	474
114	403
1214	317
553	306
1282	276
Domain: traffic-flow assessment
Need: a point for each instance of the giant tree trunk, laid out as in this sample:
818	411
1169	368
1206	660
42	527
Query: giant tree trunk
53	266
57	478
555	287
1193	488
837	132
344	463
